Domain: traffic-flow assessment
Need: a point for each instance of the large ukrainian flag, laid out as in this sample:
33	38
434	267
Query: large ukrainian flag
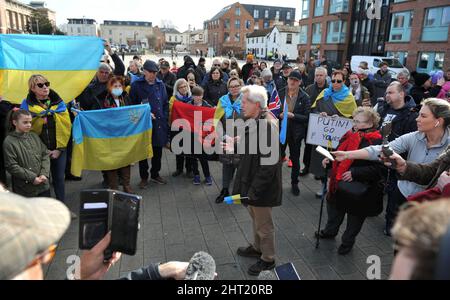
112	138
69	63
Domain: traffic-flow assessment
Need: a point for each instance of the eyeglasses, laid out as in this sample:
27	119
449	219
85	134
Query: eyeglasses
45	257
183	87
41	85
336	81
234	86
217	65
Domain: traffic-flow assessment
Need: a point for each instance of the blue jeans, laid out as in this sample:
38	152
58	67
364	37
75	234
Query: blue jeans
58	169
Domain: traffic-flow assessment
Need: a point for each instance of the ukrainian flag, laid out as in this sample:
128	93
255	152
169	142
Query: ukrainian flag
112	138
69	63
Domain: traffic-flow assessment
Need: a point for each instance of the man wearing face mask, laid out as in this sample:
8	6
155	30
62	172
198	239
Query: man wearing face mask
360	92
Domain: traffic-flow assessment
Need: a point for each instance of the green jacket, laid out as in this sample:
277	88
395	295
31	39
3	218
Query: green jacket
26	158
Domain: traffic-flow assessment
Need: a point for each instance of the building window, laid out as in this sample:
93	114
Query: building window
401	27
226	24
305	9
110	32
277	15
317	33
288	15
238	11
266	14
369	29
256	14
237	24
336	32
358	6
435	28
170	38
275	37
355	32
237	37
226	37
363	32
338	6
79	30
318	9
266	24
429	61
248	24
256	26
304	34
399	55
289	38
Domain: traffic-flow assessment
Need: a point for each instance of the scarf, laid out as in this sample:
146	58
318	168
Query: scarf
357	93
184	99
350	141
61	116
343	100
228	107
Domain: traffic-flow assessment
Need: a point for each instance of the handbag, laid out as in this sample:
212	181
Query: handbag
354	190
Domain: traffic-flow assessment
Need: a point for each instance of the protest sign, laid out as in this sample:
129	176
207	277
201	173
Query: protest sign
323	129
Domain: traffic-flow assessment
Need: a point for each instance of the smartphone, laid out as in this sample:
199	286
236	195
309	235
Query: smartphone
124	222
287	272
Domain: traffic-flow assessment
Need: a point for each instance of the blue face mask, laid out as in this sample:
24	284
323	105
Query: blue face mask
117	92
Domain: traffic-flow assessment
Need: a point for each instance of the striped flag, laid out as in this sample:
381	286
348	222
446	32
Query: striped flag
275	103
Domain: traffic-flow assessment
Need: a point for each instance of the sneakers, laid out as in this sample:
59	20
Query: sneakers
319	195
295	190
196	180
344	249
208	180
177	173
260	266
143	184
158	180
224	193
290	164
304	172
248	252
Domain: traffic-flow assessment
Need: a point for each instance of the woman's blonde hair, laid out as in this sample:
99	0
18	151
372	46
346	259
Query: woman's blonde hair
34	80
439	108
369	112
177	84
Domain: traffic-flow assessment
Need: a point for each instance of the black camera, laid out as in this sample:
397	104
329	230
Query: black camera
102	211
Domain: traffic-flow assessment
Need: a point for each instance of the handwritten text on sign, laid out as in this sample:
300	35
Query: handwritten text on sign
322	129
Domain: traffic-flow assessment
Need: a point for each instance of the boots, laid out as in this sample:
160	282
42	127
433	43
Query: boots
112	179
126	174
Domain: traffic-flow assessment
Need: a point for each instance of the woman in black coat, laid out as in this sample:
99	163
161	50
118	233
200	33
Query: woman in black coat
215	88
355	187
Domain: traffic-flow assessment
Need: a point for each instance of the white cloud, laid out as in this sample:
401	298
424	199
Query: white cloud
181	13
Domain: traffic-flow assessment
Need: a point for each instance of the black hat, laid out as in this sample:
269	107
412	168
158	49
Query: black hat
420	78
150	66
165	64
202	59
286	66
295	75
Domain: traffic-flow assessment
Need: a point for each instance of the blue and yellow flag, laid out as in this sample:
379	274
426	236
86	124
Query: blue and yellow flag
112	138
69	63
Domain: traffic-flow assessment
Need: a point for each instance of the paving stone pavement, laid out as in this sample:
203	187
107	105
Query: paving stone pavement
179	219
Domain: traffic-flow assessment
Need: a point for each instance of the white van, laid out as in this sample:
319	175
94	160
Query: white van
394	64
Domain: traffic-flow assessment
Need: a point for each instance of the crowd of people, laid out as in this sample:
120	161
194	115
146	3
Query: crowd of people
416	107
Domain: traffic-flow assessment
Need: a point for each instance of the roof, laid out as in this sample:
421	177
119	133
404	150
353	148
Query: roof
169	30
262	32
221	13
285	28
128	23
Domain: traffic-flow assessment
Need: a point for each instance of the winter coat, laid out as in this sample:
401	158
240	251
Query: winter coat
298	126
169	81
26	158
370	173
381	82
419	93
259	181
246	70
155	95
214	90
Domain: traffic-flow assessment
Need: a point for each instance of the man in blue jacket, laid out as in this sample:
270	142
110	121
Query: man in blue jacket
151	90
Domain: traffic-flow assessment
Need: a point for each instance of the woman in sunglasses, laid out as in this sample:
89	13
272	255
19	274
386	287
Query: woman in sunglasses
51	121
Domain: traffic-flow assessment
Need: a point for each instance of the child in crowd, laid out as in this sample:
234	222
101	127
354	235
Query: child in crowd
26	157
197	100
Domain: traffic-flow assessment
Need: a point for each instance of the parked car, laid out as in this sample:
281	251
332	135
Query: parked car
394	65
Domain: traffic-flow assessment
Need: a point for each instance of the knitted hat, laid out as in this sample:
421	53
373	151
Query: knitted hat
420	78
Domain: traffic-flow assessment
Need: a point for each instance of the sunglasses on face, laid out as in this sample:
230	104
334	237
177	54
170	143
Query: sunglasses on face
217	65
336	81
41	85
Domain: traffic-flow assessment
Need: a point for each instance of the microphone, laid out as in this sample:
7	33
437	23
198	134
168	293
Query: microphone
267	275
201	267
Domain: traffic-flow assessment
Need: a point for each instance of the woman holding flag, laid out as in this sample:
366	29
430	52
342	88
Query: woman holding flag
51	121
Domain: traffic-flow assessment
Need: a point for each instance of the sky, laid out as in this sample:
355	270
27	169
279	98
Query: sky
181	13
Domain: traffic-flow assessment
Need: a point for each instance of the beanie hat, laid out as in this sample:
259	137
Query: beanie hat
420	78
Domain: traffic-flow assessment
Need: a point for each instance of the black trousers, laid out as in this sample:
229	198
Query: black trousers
307	156
394	201
181	160
335	220
156	165
295	145
205	166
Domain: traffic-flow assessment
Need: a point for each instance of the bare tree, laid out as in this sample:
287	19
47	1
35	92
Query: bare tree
167	24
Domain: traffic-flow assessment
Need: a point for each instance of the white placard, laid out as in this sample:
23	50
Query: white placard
95	205
322	129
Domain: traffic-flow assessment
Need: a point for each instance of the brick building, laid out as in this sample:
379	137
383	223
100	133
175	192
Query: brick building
419	34
227	30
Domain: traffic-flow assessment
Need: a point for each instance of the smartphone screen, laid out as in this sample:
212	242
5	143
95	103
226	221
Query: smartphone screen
125	223
287	272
